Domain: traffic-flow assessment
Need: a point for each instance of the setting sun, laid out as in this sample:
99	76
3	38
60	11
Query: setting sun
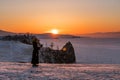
54	31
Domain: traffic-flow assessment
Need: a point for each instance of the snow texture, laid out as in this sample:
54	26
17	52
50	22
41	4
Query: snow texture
15	60
24	71
15	51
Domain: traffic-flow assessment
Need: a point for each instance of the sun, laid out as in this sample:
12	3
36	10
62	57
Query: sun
54	31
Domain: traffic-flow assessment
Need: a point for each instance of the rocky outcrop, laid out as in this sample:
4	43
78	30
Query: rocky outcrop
65	55
26	38
47	54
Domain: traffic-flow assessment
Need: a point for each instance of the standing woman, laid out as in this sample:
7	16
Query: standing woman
35	54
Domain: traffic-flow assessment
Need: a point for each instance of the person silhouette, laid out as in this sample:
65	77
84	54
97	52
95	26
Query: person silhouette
35	54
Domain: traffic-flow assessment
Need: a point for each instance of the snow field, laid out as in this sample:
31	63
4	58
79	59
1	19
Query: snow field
24	71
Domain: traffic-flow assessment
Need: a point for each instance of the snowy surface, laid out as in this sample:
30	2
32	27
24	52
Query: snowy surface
103	57
87	50
24	71
15	51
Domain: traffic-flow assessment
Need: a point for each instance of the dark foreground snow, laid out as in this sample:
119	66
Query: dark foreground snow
24	71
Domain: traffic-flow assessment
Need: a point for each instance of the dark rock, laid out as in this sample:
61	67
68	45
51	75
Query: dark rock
65	55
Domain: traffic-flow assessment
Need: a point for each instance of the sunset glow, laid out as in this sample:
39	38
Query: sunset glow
68	16
54	31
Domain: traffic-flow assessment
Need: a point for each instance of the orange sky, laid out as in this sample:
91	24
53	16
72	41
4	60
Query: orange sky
68	16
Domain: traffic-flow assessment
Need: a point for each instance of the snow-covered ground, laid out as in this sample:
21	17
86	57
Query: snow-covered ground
24	71
15	60
11	51
87	50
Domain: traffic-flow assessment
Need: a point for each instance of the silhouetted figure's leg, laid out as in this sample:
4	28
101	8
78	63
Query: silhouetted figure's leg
35	58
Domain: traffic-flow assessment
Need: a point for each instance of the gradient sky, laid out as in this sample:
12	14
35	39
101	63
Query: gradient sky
68	16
